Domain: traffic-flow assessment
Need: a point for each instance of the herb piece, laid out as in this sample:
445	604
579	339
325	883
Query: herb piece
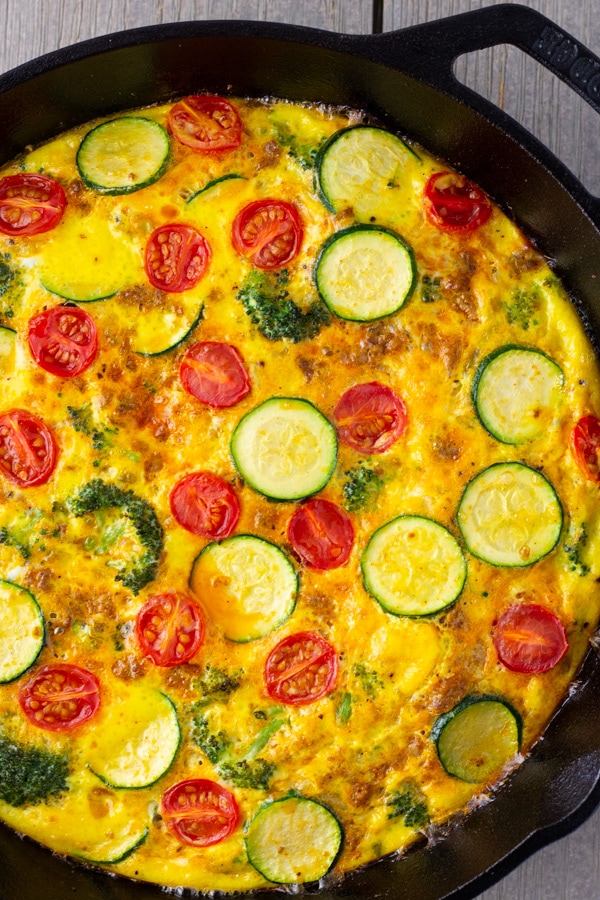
430	289
303	152
263	737
269	306
361	488
30	775
369	679
574	548
408	801
523	306
343	709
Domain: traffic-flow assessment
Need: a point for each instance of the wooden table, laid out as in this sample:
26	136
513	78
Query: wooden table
570	868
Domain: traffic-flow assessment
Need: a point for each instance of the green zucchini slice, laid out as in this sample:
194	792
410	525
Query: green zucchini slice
123	155
21	631
285	448
8	341
516	393
360	165
117	850
413	566
160	330
293	840
138	740
477	738
510	515
247	586
215	182
365	272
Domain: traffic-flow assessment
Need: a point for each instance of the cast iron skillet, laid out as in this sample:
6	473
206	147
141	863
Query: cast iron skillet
405	78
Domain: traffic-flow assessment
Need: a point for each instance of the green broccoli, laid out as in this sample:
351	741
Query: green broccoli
305	154
269	306
574	547
18	533
243	774
11	288
523	306
100	495
361	488
214	746
215	684
343	709
408	801
83	421
430	289
30	775
369	679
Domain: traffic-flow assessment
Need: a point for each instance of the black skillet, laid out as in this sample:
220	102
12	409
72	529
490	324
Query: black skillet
405	79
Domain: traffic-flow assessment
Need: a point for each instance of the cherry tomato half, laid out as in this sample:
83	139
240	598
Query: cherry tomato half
321	534
268	233
63	340
454	203
199	812
170	628
30	204
60	697
214	373
205	505
206	123
302	668
585	442
177	256
530	638
27	448
370	417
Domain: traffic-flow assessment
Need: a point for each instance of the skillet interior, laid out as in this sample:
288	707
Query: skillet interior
40	99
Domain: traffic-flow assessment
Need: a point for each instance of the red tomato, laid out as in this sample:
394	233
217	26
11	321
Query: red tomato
268	233
206	505
321	534
170	628
302	668
529	638
177	257
60	697
454	203
30	204
206	123
63	340
585	442
214	373
370	417
199	812
27	448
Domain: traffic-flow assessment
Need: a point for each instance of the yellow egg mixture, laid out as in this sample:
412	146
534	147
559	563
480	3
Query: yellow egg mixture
370	750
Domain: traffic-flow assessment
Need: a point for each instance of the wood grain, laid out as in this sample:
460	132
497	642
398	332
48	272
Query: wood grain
570	868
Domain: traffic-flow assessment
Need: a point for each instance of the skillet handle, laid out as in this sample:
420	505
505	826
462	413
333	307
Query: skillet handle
440	43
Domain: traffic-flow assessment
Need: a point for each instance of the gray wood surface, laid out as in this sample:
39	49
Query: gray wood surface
570	868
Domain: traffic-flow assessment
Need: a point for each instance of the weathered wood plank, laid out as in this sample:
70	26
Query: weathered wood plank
29	28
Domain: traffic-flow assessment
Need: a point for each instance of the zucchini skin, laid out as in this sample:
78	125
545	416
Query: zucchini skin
41	623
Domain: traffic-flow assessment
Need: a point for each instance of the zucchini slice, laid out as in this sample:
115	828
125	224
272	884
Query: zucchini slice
516	393
365	272
413	566
138	740
7	350
247	586
21	631
293	840
161	330
215	182
85	261
510	515
123	155
285	448
360	165
477	738
116	851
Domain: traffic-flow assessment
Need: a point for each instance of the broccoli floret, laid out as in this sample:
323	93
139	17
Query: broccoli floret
574	547
305	154
82	419
30	775
214	746
243	774
97	495
369	679
270	307
11	288
408	801
523	306
361	488
18	534
215	684
430	289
